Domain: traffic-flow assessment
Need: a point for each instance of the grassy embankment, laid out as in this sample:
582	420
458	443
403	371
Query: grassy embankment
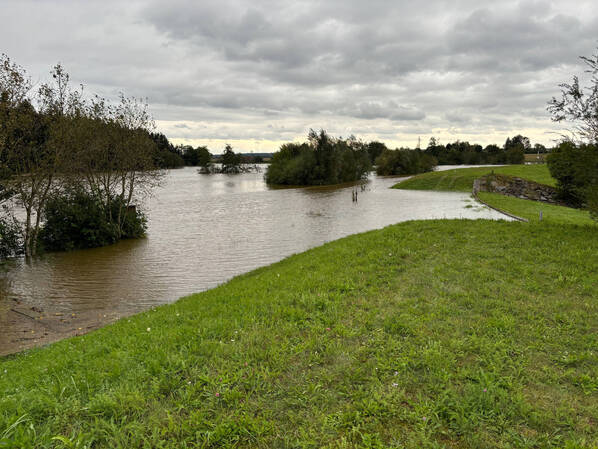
461	180
426	334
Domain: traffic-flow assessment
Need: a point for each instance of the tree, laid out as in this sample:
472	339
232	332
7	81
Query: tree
404	162
321	160
114	158
579	105
231	161
33	143
575	163
375	149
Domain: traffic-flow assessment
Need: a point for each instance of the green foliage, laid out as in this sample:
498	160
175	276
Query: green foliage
575	167
428	334
231	161
464	153
531	210
404	162
77	220
322	160
196	157
166	154
375	149
11	238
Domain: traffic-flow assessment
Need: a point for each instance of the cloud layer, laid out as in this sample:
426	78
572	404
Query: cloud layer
257	73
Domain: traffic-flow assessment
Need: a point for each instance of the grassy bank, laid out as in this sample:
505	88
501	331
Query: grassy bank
461	179
423	335
530	210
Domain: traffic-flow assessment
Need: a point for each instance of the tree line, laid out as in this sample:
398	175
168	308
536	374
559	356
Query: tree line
324	159
77	166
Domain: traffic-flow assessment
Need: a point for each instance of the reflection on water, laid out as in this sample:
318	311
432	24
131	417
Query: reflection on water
205	229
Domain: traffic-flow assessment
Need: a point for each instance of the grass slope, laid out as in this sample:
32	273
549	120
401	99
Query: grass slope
469	334
531	210
461	179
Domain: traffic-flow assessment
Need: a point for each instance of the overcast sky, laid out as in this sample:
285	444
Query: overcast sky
257	73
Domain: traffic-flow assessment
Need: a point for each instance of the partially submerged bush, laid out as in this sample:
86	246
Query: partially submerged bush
322	160
78	220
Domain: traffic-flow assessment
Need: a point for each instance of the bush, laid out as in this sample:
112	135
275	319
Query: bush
575	167
404	162
323	160
11	238
77	220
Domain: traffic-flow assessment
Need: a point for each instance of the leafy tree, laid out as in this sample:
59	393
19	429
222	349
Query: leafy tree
375	149
404	162
231	161
167	155
578	105
576	166
196	157
34	143
322	160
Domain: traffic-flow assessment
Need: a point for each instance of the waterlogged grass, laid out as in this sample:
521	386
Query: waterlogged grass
531	210
468	334
461	179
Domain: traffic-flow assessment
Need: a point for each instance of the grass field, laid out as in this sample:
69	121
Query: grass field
469	334
531	210
426	334
461	179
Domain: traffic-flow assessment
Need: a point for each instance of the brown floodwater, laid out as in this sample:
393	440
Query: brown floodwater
202	230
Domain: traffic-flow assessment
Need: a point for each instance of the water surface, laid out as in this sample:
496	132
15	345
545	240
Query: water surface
203	230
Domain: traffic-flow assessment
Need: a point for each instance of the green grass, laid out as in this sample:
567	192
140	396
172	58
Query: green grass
466	334
461	179
531	210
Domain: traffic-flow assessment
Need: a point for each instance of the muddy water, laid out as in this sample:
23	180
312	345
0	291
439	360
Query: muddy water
203	230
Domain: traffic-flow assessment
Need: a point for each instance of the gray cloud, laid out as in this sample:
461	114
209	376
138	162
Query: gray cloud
268	70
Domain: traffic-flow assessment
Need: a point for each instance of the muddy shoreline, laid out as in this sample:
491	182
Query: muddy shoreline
31	327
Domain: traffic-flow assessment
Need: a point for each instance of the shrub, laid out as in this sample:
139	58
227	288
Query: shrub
11	241
404	162
322	160
77	220
575	167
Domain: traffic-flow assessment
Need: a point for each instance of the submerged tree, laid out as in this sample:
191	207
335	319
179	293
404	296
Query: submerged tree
34	143
54	143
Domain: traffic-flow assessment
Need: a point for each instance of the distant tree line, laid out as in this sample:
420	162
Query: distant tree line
171	156
464	153
76	166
